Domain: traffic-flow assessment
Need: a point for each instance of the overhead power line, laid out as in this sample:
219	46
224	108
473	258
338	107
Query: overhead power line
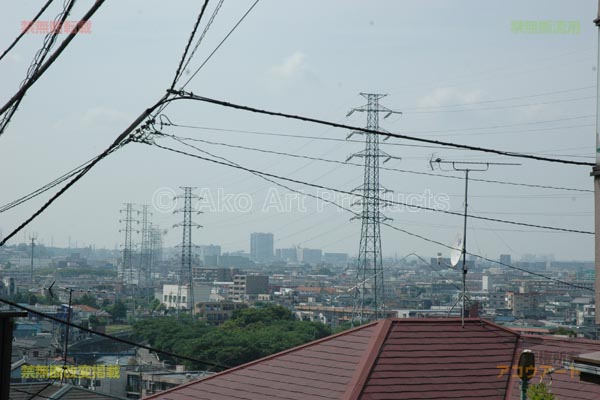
264	176
39	58
181	67
107	336
220	43
53	57
504	107
389	202
486	259
501	99
121	140
204	32
381	167
45	188
24	31
189	95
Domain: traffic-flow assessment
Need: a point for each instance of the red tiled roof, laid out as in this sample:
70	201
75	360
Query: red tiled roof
438	359
398	359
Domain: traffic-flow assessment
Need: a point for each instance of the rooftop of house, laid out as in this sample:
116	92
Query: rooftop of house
54	391
428	358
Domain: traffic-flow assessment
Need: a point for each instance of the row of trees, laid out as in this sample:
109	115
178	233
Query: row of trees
250	334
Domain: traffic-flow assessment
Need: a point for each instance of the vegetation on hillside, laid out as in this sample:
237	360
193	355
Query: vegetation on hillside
250	334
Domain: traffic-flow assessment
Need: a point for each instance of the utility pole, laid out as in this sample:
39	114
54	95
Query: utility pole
462	166
6	339
33	238
185	275
596	172
66	350
369	293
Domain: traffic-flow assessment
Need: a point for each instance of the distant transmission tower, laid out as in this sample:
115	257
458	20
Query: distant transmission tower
369	295
145	250
33	238
156	246
127	262
185	276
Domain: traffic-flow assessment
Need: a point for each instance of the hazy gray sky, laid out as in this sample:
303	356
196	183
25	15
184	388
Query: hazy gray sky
311	58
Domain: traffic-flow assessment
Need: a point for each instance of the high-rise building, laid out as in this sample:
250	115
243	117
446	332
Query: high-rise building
311	256
336	259
261	247
210	250
505	259
287	255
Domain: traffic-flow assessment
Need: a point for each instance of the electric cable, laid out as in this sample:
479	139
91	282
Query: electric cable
180	67
121	140
231	164
39	58
191	96
204	32
506	107
487	259
253	171
381	167
220	44
503	99
53	57
26	29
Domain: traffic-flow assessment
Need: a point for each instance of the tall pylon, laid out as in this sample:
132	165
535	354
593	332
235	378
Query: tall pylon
33	238
156	245
185	275
369	294
145	250
127	261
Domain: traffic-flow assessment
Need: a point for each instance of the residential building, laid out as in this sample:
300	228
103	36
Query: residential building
248	287
172	297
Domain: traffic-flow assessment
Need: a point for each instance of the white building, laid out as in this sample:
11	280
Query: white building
172	297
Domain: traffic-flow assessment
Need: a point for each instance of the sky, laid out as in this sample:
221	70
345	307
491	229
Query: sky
464	71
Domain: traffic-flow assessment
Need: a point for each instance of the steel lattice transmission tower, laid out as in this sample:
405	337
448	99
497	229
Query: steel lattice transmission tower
145	249
127	261
185	275
369	293
156	245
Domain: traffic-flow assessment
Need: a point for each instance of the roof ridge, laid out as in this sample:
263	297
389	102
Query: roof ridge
251	363
363	368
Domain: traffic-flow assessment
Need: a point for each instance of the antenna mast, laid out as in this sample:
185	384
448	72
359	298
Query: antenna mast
466	167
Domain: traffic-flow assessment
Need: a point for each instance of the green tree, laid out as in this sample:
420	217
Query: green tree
561	330
539	391
32	301
87	299
251	333
117	311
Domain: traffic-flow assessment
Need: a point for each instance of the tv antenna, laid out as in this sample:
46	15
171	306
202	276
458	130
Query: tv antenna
461	243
